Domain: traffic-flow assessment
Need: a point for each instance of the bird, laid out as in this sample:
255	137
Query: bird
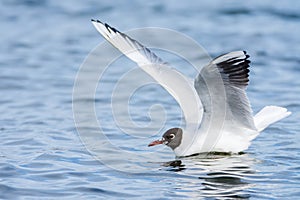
216	109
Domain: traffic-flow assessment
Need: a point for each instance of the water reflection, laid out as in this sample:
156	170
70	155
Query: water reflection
219	176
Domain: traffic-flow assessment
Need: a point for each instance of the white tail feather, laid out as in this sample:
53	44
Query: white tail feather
269	115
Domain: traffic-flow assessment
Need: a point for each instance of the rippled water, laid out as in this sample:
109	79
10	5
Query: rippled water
44	43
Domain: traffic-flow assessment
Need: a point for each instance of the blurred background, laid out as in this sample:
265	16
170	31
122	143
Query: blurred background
43	44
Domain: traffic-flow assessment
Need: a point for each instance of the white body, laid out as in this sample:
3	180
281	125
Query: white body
228	140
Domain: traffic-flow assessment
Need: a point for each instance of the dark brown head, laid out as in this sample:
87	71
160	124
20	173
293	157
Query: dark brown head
171	138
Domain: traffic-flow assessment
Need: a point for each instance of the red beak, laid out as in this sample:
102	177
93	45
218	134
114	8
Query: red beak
156	142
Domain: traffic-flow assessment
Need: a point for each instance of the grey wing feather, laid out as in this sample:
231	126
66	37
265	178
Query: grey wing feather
223	82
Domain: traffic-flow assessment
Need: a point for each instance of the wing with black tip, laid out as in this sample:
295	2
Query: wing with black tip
221	86
179	86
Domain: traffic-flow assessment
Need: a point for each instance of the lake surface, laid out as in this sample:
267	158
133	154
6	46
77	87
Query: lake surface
46	152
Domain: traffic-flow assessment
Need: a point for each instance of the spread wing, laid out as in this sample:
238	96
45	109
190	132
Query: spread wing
221	87
180	87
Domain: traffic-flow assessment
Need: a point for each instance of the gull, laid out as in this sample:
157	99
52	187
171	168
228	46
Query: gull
218	116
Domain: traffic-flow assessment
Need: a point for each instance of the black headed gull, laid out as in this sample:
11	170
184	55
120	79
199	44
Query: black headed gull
216	109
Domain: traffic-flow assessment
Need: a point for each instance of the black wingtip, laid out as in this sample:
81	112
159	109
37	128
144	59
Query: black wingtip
245	53
108	27
96	20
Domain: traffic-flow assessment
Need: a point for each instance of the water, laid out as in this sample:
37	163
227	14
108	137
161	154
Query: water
43	44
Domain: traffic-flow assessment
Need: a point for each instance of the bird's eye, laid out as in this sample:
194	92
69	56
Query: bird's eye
172	136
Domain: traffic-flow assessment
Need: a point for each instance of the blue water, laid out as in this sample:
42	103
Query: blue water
43	155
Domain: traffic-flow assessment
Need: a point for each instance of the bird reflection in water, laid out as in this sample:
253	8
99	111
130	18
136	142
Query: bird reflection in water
221	175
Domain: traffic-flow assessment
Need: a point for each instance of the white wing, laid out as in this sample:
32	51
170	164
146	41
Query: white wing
221	86
179	86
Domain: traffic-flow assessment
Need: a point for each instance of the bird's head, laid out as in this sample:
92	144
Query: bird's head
171	138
